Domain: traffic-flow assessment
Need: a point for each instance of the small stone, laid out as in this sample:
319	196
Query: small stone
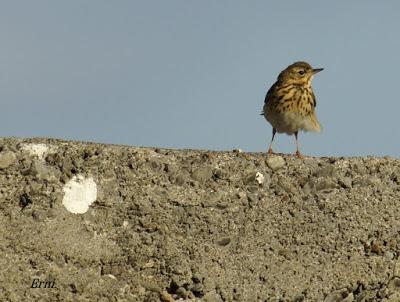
327	171
250	178
111	276
336	296
224	241
241	195
180	179
220	174
359	168
212	296
156	164
252	199
166	297
149	285
197	288
259	178
42	171
345	182
396	271
376	247
253	178
275	162
309	162
170	168
253	188
203	173
213	199
394	297
349	298
222	205
325	184
309	187
7	158
389	255
181	292
394	285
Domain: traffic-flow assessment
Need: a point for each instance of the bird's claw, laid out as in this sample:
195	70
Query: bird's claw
299	155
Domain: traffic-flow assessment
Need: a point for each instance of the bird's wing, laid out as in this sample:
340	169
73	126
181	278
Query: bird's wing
268	96
269	93
314	100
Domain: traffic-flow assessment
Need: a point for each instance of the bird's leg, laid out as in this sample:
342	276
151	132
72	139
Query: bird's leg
298	154
270	145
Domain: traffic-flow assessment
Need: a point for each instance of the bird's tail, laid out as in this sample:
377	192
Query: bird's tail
315	124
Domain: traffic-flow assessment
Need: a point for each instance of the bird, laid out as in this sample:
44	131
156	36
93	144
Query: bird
289	104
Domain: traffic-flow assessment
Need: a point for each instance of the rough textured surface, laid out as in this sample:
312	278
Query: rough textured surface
197	226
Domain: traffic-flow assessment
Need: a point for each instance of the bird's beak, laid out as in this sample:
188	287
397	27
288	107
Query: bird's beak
316	70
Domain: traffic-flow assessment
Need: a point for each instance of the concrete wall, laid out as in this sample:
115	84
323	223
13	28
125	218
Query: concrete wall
92	222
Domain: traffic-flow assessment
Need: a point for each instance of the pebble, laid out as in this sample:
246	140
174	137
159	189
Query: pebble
224	241
42	171
394	297
345	182
7	158
253	178
212	296
203	173
394	285
396	271
309	188
259	178
166	297
327	171
181	292
275	162
337	296
325	184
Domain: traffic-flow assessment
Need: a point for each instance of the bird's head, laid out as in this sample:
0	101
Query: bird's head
300	73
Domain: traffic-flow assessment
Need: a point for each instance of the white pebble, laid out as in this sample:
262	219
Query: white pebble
259	178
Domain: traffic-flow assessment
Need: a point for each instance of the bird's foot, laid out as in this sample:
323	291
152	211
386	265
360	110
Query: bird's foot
299	155
270	152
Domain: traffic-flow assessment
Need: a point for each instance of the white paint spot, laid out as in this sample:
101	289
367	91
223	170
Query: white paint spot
80	193
259	178
40	150
111	276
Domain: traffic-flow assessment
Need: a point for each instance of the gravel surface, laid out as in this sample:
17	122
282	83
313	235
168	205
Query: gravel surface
190	225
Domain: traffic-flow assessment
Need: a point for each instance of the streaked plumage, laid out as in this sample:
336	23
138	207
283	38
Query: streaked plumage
289	104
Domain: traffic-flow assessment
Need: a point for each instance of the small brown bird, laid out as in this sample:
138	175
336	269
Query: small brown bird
290	102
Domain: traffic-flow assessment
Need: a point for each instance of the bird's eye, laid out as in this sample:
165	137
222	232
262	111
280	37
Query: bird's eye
301	72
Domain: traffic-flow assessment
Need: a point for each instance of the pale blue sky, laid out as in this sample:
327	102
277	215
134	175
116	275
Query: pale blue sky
193	74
